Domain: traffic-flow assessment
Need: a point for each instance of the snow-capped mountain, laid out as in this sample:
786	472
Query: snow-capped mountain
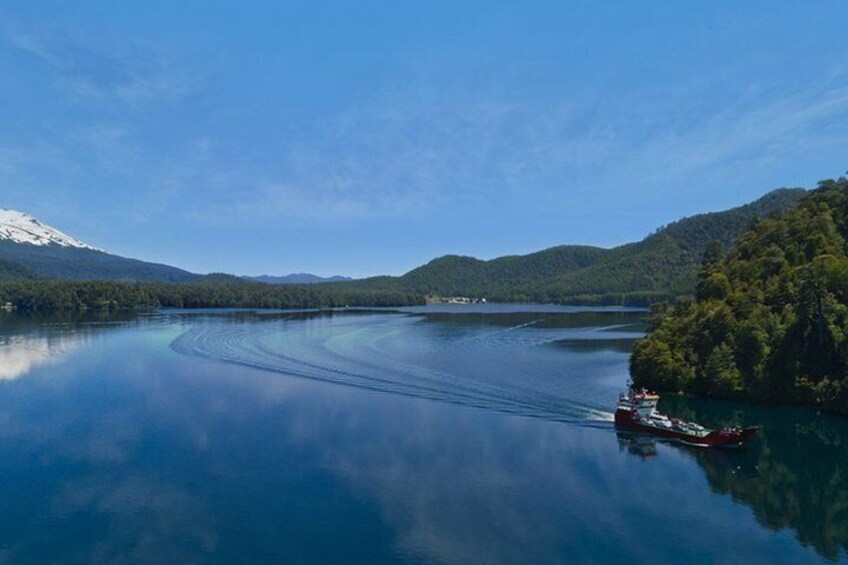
30	249
22	228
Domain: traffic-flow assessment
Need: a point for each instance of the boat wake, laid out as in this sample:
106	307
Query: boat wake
394	354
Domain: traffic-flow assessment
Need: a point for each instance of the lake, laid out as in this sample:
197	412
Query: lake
449	434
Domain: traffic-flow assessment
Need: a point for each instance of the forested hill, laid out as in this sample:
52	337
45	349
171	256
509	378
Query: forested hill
455	275
14	271
661	265
770	320
72	263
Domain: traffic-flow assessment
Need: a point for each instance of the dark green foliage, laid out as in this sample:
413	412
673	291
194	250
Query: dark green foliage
501	279
53	261
231	292
14	271
662	265
770	320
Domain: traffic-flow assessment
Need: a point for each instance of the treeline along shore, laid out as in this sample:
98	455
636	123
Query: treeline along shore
54	295
58	295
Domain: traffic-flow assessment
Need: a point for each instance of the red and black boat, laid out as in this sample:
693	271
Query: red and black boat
637	411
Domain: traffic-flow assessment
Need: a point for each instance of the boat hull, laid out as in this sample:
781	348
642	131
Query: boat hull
727	437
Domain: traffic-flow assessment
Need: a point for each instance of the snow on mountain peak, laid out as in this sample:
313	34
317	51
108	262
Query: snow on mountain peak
22	228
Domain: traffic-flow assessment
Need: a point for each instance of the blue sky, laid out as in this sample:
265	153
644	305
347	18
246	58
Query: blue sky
365	138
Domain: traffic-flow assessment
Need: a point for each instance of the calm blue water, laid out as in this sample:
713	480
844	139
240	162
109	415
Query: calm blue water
428	435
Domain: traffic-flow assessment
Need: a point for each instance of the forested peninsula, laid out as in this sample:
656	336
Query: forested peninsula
769	320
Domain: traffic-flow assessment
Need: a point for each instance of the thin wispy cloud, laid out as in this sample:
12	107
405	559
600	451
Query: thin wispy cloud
405	152
204	125
410	147
409	150
105	70
752	132
105	91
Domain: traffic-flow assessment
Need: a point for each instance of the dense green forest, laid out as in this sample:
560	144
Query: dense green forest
768	321
215	291
57	262
14	271
661	266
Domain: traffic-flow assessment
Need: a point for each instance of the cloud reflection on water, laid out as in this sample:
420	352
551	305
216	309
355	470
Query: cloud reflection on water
20	354
144	455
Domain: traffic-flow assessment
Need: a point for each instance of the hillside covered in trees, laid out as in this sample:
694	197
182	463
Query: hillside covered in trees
10	270
71	263
661	266
769	321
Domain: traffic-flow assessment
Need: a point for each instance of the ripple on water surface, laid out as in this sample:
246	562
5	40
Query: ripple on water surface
512	362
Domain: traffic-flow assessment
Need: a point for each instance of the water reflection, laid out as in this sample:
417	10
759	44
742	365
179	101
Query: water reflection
136	453
28	342
641	445
19	354
794	475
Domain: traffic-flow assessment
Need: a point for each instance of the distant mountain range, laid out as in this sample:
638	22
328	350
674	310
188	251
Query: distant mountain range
664	263
297	278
